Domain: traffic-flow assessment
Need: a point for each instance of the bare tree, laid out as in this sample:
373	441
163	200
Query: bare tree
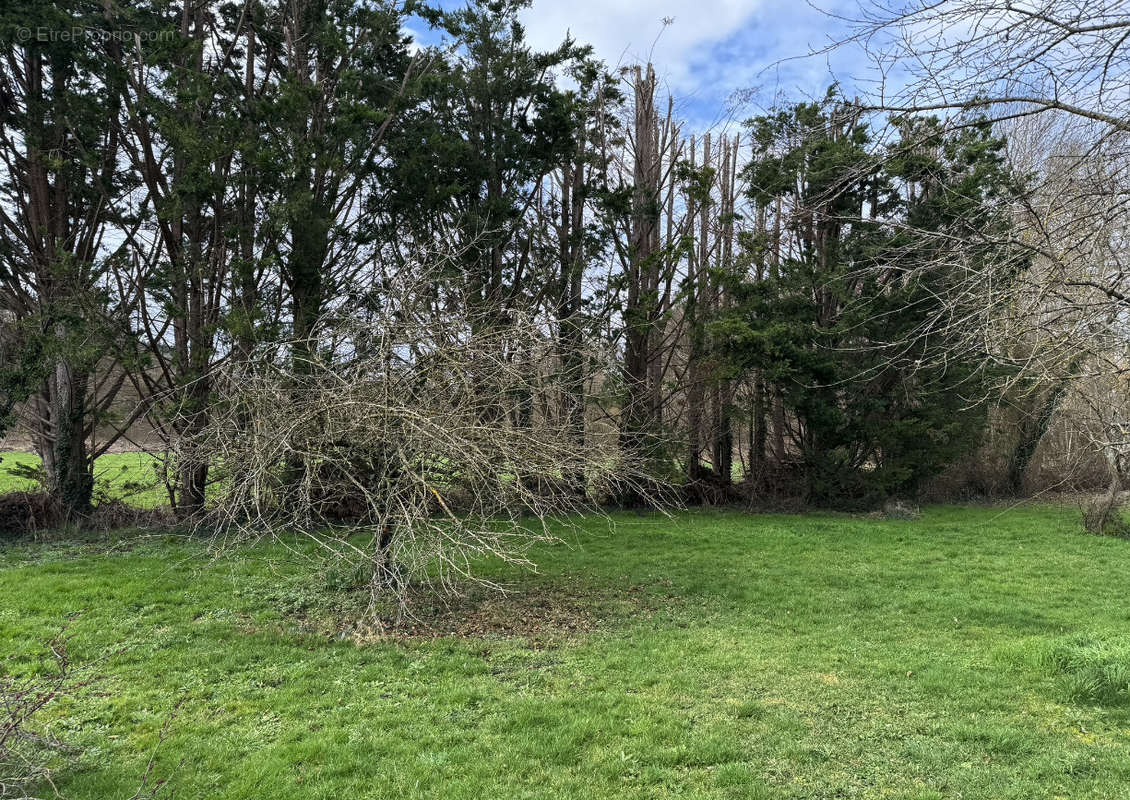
1019	58
711	211
399	435
642	259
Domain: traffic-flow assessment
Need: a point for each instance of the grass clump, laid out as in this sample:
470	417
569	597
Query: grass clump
1092	668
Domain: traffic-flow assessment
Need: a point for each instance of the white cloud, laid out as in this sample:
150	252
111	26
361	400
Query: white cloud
632	31
709	50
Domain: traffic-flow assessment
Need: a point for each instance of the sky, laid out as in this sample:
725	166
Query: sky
720	59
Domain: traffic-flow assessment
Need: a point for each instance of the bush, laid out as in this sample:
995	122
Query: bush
414	456
1103	515
22	513
27	513
901	509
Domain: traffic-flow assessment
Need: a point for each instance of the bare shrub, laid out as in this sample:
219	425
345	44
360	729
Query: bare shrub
413	443
1102	515
26	512
26	752
902	510
29	513
1100	417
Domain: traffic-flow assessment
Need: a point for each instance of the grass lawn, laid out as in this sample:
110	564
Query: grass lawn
974	654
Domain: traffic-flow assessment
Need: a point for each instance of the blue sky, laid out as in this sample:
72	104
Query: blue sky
712	52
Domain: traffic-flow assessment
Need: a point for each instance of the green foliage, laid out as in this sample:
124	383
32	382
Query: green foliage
849	325
488	123
22	369
65	186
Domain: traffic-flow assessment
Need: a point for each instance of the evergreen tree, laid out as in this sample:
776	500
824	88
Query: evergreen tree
63	190
490	126
841	330
340	71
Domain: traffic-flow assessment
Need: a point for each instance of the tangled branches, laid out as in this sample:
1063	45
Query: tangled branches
415	445
25	753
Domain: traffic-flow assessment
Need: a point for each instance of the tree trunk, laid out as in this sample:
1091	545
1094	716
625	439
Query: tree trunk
722	453
778	405
1032	427
757	432
638	308
697	267
571	235
72	479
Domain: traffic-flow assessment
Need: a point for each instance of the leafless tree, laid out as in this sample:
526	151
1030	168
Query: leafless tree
406	427
1019	58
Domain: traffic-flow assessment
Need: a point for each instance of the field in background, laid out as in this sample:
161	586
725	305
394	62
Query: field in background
974	653
122	476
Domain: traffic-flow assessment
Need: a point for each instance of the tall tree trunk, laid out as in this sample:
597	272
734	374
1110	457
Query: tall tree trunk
697	268
641	285
722	451
308	209
73	480
245	279
571	236
309	231
778	406
758	434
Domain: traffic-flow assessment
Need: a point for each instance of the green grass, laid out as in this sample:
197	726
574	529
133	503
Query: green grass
1094	668
725	656
121	476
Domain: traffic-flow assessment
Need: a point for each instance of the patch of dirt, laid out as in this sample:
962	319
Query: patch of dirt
543	613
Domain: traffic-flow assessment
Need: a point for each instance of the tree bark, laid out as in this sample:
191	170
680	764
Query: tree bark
642	280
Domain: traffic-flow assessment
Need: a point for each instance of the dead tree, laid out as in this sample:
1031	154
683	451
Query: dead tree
645	255
396	442
642	267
